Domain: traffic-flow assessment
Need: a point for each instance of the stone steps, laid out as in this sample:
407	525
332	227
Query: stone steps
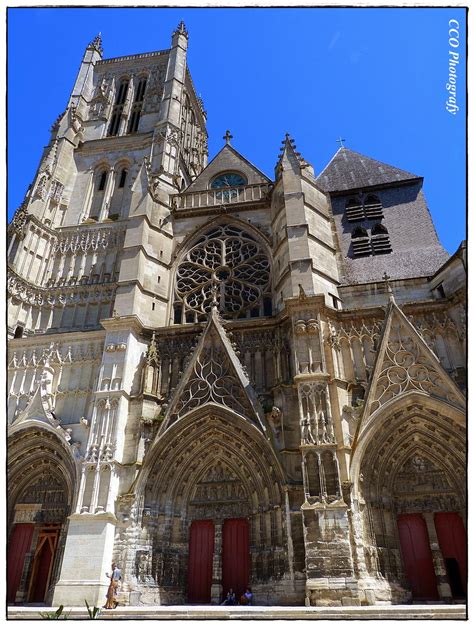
405	611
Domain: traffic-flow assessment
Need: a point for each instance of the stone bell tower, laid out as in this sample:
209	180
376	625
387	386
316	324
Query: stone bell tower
207	380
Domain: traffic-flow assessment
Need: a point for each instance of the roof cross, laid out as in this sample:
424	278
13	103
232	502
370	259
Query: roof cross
340	141
227	136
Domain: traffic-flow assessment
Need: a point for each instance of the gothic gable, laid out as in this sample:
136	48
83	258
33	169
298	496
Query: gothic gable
214	375
228	160
36	410
405	363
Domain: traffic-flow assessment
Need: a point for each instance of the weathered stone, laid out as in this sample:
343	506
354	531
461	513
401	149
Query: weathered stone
200	353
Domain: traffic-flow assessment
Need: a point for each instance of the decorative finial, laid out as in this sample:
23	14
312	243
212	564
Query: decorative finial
340	141
97	43
152	354
181	30
214	290
388	287
227	136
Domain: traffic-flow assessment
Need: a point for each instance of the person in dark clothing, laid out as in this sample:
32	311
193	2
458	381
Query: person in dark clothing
230	599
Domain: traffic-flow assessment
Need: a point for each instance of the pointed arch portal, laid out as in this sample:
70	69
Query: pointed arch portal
213	518
411	496
42	475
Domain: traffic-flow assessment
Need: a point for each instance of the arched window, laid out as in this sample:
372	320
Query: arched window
123	178
370	209
228	181
117	199
226	264
137	106
373	207
117	111
379	229
380	240
359	232
100	183
360	242
354	210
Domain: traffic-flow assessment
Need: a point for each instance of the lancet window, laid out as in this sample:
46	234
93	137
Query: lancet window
137	106
227	266
118	107
100	183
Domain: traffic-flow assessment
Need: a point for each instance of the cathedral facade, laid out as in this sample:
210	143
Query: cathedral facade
218	379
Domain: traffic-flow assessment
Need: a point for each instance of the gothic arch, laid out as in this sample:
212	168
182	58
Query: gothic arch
436	413
42	481
402	474
210	465
191	239
199	421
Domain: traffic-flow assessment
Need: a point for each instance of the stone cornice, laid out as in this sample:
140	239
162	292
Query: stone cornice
27	292
133	57
124	142
66	338
126	322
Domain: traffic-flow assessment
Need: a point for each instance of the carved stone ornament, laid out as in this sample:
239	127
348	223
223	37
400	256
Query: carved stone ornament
406	367
17	225
215	374
316	421
231	259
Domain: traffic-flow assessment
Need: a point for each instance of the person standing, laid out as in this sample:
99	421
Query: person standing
115	578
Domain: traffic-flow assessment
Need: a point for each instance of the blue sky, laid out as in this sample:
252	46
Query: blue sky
376	77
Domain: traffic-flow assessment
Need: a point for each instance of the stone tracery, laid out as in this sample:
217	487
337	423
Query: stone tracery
234	260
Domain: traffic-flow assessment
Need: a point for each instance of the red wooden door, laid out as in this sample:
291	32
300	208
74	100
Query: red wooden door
235	556
43	564
201	552
452	543
417	557
20	542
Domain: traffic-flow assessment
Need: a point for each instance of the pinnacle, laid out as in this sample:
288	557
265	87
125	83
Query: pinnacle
181	30
289	142
96	43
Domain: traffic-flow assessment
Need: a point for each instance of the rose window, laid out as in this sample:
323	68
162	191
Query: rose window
228	265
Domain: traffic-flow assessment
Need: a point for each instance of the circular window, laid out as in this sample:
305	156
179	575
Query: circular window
230	259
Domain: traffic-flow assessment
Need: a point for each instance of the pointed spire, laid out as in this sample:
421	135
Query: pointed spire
181	30
289	148
96	43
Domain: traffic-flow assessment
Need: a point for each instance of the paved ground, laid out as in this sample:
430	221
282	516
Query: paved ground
420	611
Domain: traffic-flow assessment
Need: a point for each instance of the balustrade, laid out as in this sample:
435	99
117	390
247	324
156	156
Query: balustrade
217	197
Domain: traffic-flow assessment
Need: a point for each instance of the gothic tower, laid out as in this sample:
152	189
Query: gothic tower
218	379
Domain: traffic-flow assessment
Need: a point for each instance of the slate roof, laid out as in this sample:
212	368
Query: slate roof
350	170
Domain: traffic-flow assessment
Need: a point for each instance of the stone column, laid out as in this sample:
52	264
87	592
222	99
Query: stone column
216	589
444	588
